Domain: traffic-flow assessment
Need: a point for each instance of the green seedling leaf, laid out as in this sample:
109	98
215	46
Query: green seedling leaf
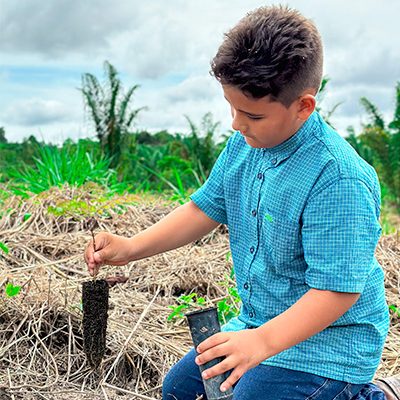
177	311
186	299
4	248
201	301
393	308
228	256
222	305
234	293
185	303
12	290
27	216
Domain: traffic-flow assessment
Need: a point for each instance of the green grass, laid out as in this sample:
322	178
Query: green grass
53	166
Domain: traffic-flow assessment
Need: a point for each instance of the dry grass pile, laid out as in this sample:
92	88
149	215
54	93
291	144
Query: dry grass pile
41	345
388	254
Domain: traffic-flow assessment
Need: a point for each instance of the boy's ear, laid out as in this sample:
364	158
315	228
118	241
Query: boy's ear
306	106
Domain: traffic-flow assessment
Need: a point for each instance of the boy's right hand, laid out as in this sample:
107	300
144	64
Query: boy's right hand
110	249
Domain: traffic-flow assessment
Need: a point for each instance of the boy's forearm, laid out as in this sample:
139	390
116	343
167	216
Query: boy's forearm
311	314
183	225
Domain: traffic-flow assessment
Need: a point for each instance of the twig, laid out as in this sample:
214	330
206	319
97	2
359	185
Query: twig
145	311
49	288
94	241
92	224
10	383
140	396
104	392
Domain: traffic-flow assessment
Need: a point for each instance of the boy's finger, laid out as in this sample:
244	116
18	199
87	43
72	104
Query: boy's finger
218	369
212	353
212	341
88	253
98	257
93	269
235	375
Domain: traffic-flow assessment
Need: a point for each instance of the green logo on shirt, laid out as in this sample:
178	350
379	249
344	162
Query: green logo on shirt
269	218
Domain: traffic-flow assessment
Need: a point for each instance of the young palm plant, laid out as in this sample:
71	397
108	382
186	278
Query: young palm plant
201	144
110	110
381	144
326	114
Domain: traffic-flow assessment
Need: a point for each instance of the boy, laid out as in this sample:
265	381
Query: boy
302	210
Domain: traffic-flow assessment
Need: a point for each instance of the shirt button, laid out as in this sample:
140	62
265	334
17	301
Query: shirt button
253	213
251	315
259	175
252	249
273	161
246	285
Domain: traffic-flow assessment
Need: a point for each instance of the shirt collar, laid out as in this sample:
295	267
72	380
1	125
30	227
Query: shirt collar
285	149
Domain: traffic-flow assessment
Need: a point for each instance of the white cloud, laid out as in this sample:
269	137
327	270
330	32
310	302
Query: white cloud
59	28
166	47
35	112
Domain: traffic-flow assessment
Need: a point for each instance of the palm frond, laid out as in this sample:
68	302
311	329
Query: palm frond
376	118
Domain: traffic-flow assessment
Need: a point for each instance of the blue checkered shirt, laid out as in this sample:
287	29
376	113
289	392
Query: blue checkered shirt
301	215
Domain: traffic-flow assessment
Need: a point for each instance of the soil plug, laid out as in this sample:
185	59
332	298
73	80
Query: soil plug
95	308
203	324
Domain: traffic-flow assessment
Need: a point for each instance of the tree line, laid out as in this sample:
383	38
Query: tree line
139	160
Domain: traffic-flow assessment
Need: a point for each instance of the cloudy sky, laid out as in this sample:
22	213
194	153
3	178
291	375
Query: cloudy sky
166	47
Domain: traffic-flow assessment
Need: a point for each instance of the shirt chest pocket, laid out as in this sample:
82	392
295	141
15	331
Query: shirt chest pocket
282	239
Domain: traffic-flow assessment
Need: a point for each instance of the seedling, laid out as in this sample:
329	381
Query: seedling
395	310
185	303
95	295
26	216
11	290
92	225
95	313
228	307
4	248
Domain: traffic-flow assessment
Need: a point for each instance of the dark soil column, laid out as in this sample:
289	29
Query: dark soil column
95	309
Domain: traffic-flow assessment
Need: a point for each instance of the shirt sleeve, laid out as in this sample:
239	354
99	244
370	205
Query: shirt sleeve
210	197
340	232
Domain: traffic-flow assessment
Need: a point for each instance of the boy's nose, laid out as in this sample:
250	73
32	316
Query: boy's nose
238	125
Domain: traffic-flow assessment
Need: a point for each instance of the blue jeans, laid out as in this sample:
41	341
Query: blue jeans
183	382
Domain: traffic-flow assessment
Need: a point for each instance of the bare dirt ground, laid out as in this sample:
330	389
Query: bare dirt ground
41	344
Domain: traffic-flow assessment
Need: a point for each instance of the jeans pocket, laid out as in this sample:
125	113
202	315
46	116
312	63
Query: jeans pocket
333	390
319	391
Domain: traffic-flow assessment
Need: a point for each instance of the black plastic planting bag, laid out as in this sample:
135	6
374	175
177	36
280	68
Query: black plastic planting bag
203	324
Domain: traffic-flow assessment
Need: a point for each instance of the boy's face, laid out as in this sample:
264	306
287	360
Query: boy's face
265	123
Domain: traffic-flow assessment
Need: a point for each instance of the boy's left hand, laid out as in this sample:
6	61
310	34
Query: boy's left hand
243	350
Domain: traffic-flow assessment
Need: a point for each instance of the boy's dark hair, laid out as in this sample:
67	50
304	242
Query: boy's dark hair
272	51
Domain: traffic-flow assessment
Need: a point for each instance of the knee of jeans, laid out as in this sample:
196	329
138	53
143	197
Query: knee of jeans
370	392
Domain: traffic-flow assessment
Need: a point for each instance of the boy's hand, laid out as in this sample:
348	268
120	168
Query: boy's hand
110	249
243	350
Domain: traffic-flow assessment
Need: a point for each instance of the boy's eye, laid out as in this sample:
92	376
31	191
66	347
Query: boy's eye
254	117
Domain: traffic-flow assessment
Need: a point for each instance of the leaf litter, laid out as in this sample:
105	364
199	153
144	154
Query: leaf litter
42	349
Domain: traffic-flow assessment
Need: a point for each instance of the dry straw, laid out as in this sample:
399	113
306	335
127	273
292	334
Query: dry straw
41	345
